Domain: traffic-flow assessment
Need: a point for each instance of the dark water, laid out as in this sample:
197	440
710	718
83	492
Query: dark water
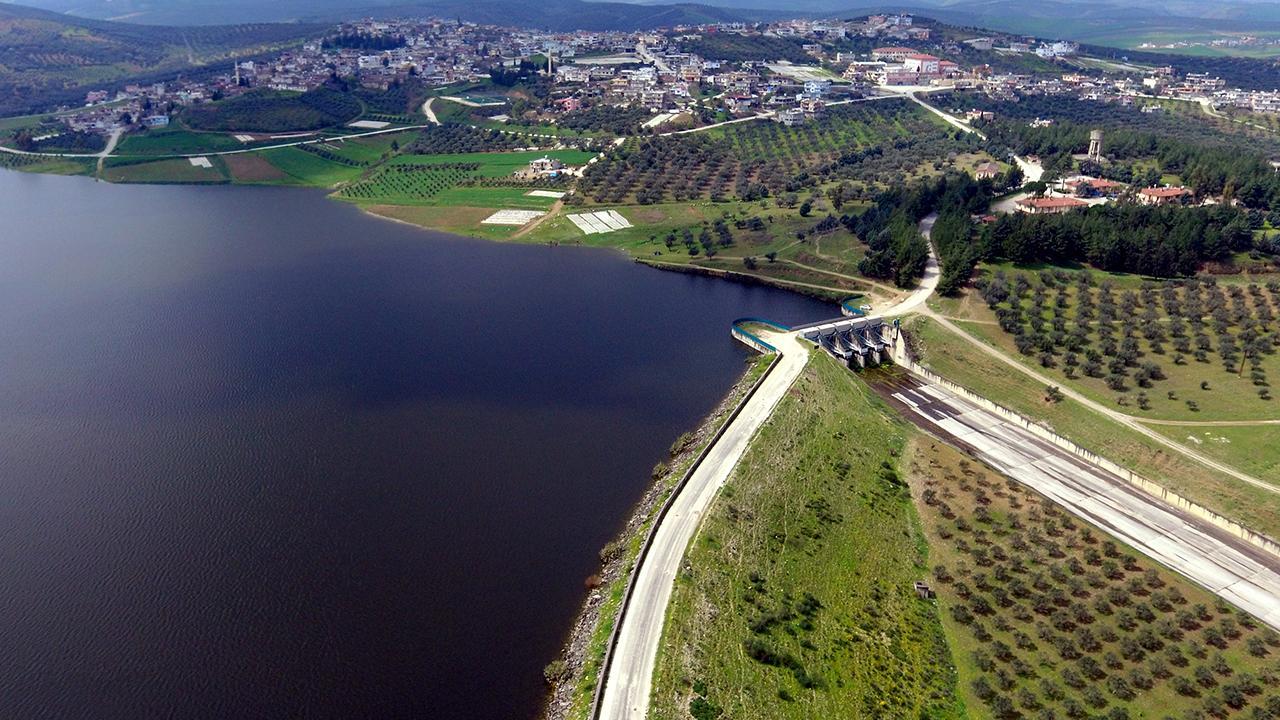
262	456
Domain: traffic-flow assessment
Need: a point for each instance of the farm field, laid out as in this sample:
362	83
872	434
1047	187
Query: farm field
796	600
496	164
306	168
956	360
867	145
178	141
178	170
252	169
1049	617
1175	350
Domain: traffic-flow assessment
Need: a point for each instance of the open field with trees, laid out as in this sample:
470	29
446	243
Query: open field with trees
864	144
1050	618
954	358
796	599
275	111
1182	350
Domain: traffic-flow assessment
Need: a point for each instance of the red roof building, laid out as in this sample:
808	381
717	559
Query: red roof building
1163	195
1049	205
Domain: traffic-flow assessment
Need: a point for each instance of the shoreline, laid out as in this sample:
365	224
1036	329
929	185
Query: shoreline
573	674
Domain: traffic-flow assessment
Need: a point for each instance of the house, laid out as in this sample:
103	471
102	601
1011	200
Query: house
1093	186
892	54
986	171
156	121
1049	205
922	63
541	167
1163	195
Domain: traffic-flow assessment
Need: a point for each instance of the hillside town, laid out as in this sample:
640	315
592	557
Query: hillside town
686	72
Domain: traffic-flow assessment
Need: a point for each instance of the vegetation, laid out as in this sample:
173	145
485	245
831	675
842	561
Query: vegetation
275	111
732	47
956	359
49	59
408	183
624	120
796	599
1049	618
1152	348
450	139
868	143
1158	241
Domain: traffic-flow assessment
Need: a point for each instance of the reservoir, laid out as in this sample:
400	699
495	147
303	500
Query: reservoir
264	456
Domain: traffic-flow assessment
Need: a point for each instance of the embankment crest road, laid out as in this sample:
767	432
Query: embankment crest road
628	679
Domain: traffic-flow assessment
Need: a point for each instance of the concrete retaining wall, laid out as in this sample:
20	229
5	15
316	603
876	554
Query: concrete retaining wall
1152	488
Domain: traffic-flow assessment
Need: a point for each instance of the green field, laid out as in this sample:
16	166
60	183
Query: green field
178	171
796	598
1255	449
500	164
407	184
308	169
1048	617
178	141
1179	350
955	359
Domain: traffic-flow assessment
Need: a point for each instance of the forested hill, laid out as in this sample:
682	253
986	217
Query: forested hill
48	58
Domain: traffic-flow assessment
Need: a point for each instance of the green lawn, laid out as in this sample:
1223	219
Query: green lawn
796	598
501	164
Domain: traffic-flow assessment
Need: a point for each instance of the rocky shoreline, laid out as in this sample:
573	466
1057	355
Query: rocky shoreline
565	672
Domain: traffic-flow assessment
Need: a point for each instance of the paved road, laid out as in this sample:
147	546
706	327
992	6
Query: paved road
1229	567
630	675
1128	421
629	681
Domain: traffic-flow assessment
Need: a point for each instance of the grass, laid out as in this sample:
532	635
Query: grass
500	164
306	168
178	141
1255	449
167	171
1195	385
796	597
1049	617
956	360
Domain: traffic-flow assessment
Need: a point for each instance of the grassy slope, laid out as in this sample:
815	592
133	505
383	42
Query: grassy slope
815	509
1015	647
1230	396
956	360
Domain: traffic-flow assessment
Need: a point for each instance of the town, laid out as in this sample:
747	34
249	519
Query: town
684	76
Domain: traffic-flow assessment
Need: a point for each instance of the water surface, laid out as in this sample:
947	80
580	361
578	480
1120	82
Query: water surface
262	456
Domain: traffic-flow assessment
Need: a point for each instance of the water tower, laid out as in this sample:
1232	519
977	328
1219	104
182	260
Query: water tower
1095	145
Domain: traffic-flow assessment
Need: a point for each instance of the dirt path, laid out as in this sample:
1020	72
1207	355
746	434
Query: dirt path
530	227
429	112
1128	421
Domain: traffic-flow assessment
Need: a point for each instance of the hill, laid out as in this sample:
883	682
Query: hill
47	58
553	15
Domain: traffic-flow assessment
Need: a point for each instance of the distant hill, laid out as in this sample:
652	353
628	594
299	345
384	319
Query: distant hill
47	58
548	14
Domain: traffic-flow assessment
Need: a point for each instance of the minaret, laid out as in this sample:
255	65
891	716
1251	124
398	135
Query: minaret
237	73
